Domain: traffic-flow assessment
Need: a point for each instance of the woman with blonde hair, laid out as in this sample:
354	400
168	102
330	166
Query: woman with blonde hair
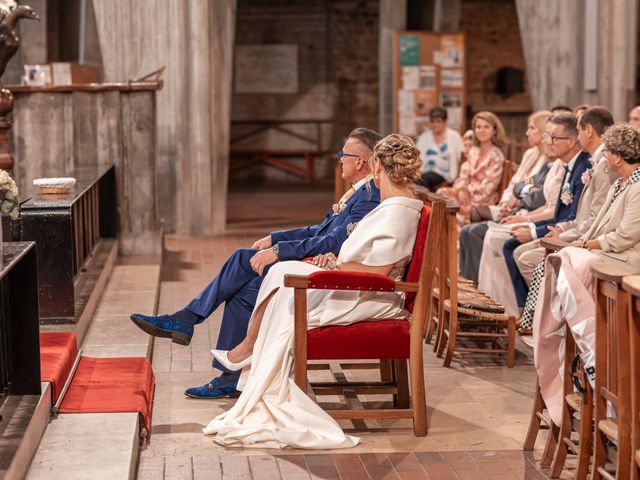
480	175
272	412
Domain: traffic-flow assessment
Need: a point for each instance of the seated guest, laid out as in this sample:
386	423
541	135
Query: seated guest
497	251
237	283
480	175
567	290
597	180
272	412
440	151
579	109
533	163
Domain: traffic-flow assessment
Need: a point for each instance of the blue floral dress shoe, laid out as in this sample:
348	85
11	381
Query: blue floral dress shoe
213	389
164	326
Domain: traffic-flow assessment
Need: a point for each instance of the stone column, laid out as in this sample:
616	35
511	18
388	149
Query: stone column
393	17
194	40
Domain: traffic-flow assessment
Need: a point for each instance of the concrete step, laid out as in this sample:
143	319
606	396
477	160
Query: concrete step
105	445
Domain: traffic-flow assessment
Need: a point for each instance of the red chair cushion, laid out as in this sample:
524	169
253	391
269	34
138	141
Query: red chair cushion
346	280
382	339
412	273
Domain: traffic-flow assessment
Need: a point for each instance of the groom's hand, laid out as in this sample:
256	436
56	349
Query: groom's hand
262	259
262	243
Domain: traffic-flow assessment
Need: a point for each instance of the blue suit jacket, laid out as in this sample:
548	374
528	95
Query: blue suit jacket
329	235
567	212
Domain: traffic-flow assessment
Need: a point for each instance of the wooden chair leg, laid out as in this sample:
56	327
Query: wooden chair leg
386	370
419	397
451	341
402	380
431	323
511	345
586	434
441	342
560	455
550	446
534	422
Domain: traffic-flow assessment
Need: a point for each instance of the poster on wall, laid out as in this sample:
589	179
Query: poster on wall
409	50
428	72
266	68
452	101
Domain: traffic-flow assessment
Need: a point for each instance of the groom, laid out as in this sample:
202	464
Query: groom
238	282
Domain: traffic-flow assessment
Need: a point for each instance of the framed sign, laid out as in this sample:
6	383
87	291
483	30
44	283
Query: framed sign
266	69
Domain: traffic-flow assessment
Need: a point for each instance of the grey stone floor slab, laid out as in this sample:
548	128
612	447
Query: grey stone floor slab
88	445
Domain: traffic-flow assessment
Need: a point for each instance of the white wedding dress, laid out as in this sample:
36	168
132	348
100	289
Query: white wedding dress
272	412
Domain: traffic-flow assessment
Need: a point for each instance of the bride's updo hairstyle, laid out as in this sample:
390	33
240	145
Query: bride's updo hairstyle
399	157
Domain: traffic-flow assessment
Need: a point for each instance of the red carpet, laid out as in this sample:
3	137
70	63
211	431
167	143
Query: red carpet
58	350
107	385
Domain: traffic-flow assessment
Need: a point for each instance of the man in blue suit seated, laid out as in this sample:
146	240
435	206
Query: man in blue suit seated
239	280
561	139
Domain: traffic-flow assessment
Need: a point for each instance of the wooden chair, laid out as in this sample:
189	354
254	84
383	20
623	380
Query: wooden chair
396	340
632	286
508	171
455	294
540	420
576	407
577	416
467	314
612	437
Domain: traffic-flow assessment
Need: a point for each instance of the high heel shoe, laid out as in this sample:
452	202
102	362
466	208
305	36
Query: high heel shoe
223	357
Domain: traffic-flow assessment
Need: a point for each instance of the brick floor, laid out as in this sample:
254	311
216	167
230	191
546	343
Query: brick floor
478	410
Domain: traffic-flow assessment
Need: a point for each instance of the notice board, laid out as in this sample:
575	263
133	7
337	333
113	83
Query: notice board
428	72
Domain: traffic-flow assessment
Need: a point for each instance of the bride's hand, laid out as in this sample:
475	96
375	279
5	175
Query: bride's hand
325	260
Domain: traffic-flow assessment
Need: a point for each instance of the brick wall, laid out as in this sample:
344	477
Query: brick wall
493	41
337	74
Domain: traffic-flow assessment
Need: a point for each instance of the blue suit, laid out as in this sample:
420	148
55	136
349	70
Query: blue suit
563	213
237	284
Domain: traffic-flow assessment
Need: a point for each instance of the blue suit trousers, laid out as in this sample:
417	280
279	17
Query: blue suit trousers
237	286
519	285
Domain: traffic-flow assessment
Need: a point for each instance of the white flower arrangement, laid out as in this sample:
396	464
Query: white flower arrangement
566	196
7	6
586	176
9	203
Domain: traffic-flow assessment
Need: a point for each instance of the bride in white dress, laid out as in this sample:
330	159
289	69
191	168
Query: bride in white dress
272	412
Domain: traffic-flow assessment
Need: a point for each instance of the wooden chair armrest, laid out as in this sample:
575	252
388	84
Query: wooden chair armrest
296	281
553	244
341	280
632	285
610	273
407	286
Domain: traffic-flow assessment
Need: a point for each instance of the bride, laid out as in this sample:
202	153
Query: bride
272	412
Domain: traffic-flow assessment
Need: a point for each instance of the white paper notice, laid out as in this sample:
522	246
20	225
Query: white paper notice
451	78
427	76
406	101
407	124
410	78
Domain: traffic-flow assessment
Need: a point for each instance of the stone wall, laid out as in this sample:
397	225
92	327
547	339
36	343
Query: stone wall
493	41
337	75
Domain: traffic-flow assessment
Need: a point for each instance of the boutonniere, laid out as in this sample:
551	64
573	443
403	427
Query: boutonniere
338	208
587	175
566	196
351	227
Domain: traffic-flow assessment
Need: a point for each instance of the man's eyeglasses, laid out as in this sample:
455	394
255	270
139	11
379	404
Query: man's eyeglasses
341	156
551	139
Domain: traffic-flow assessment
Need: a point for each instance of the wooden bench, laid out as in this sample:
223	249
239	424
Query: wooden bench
280	159
75	233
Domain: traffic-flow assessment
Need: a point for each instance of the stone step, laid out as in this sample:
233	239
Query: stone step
105	445
100	446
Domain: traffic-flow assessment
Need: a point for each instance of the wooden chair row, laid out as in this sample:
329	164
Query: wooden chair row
605	420
463	319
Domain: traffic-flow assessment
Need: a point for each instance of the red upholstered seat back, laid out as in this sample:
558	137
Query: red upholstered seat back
412	274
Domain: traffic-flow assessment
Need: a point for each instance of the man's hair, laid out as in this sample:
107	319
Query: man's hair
598	117
561	108
366	137
438	112
568	121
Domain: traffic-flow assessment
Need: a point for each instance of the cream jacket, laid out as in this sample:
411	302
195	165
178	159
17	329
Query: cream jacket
617	227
